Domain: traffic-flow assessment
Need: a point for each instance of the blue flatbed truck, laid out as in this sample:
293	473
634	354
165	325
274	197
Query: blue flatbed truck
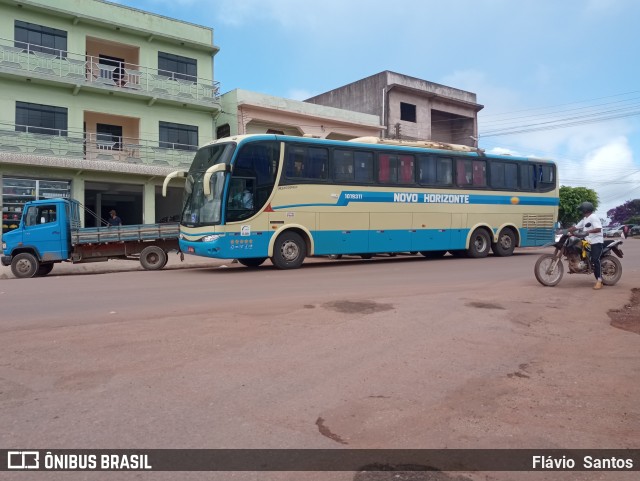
50	232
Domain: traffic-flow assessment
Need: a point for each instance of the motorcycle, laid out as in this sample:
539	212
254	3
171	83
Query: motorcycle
549	268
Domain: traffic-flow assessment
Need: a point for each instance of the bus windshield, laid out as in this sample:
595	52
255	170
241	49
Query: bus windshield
200	209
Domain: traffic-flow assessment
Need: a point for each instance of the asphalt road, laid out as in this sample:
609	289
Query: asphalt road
388	353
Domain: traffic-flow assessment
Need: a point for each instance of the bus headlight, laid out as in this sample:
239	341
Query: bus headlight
210	238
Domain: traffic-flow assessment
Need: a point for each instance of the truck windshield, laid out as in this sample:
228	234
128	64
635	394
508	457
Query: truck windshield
200	209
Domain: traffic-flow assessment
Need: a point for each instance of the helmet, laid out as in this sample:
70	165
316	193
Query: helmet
586	207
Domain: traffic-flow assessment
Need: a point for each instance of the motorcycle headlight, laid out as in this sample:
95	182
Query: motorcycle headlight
210	238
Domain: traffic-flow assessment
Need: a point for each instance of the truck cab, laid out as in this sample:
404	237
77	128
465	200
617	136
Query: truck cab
42	238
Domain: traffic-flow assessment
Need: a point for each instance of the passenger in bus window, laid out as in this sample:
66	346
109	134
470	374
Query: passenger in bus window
298	168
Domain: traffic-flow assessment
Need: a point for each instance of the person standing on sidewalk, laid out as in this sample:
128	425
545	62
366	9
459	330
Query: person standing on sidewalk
593	227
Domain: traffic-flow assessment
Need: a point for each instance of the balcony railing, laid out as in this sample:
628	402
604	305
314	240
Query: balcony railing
76	68
23	139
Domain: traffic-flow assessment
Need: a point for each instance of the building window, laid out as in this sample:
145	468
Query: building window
41	119
110	136
407	112
223	131
178	136
37	38
177	67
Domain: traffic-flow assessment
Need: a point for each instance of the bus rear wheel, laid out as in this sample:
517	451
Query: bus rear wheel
252	261
506	243
479	244
289	251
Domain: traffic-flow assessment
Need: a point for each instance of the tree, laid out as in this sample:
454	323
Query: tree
570	199
626	213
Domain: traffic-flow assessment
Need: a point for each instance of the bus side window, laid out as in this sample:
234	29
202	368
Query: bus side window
511	176
427	170
546	178
384	168
496	173
363	166
471	173
464	173
342	165
527	177
434	170
407	168
445	171
388	166
307	163
479	173
318	160
295	162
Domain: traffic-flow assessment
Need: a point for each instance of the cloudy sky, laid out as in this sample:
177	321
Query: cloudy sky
558	79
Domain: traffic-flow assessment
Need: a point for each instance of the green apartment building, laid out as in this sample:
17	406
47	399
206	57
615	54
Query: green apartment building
99	102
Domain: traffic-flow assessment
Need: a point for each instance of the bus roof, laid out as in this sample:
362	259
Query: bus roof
414	146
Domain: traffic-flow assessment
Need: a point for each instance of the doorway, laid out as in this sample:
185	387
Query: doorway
102	197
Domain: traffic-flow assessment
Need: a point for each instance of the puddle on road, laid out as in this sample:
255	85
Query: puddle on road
627	317
357	307
484	305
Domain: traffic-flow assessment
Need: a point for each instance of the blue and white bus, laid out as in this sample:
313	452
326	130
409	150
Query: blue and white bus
259	197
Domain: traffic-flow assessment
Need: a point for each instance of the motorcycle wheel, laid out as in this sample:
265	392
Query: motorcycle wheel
542	267
611	270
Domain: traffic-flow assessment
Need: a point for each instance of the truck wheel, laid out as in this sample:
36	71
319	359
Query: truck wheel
153	258
24	265
289	251
44	269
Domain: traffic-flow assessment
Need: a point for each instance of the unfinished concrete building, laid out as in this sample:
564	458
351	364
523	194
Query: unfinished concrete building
410	108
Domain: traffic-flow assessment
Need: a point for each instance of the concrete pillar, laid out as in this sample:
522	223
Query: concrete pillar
149	203
77	193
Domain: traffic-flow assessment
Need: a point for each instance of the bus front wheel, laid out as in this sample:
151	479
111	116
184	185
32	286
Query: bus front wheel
479	244
252	261
289	251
